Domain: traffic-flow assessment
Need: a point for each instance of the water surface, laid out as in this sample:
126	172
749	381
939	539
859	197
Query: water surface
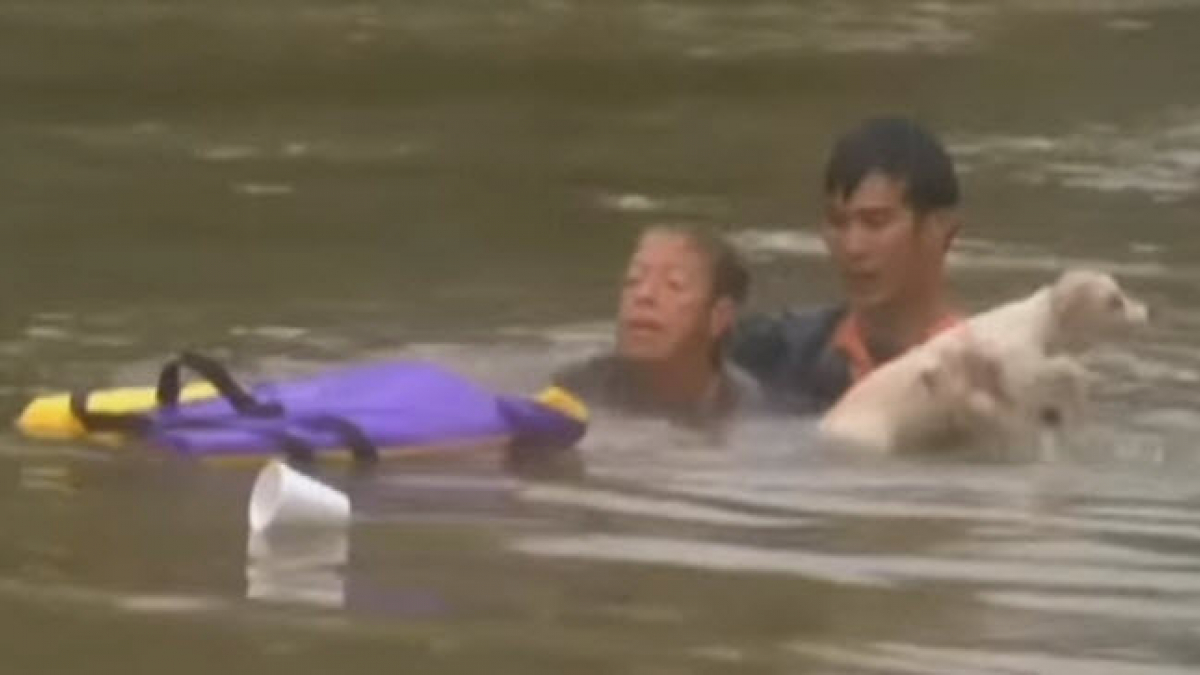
292	185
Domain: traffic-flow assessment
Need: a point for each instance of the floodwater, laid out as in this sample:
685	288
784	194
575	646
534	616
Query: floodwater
294	184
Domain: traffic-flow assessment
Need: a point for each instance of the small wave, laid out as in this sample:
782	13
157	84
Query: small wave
269	332
131	602
726	33
48	333
1159	157
630	202
768	244
697	555
1111	606
332	150
856	569
819	505
930	660
264	189
652	507
168	604
228	153
1067	550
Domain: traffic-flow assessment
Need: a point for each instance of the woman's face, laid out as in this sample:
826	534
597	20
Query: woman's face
667	304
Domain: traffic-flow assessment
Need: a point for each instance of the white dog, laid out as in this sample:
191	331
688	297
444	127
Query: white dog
1082	308
1001	373
930	397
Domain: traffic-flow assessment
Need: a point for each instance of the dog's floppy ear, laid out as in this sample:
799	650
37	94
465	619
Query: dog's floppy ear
1073	300
1067	290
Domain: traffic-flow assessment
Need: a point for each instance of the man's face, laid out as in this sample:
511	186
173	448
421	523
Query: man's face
666	307
884	253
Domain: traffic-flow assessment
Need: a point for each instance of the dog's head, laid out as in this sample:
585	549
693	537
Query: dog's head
1088	306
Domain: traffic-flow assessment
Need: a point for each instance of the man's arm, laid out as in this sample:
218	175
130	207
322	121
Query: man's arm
758	346
790	356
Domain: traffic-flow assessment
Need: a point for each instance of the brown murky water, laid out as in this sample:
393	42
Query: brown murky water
293	184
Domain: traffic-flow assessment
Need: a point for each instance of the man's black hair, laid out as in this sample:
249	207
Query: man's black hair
901	150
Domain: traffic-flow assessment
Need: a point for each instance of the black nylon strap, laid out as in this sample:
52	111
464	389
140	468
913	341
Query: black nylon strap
364	450
170	385
297	451
302	453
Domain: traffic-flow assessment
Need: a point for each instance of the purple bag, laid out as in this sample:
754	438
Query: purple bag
370	409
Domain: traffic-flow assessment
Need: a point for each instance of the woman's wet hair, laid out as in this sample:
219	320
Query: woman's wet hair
730	278
901	150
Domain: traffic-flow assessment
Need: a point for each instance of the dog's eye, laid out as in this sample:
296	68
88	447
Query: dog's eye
1115	302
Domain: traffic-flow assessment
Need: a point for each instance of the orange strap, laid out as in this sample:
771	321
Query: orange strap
849	339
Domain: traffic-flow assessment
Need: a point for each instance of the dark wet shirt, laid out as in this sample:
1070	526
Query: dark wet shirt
805	360
793	356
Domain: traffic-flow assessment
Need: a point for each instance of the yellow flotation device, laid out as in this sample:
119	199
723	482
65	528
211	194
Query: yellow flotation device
51	418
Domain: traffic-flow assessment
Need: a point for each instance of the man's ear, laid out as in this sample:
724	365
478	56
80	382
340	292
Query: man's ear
722	316
953	225
944	224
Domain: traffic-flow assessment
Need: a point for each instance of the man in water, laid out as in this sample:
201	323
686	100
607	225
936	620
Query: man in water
678	302
890	216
